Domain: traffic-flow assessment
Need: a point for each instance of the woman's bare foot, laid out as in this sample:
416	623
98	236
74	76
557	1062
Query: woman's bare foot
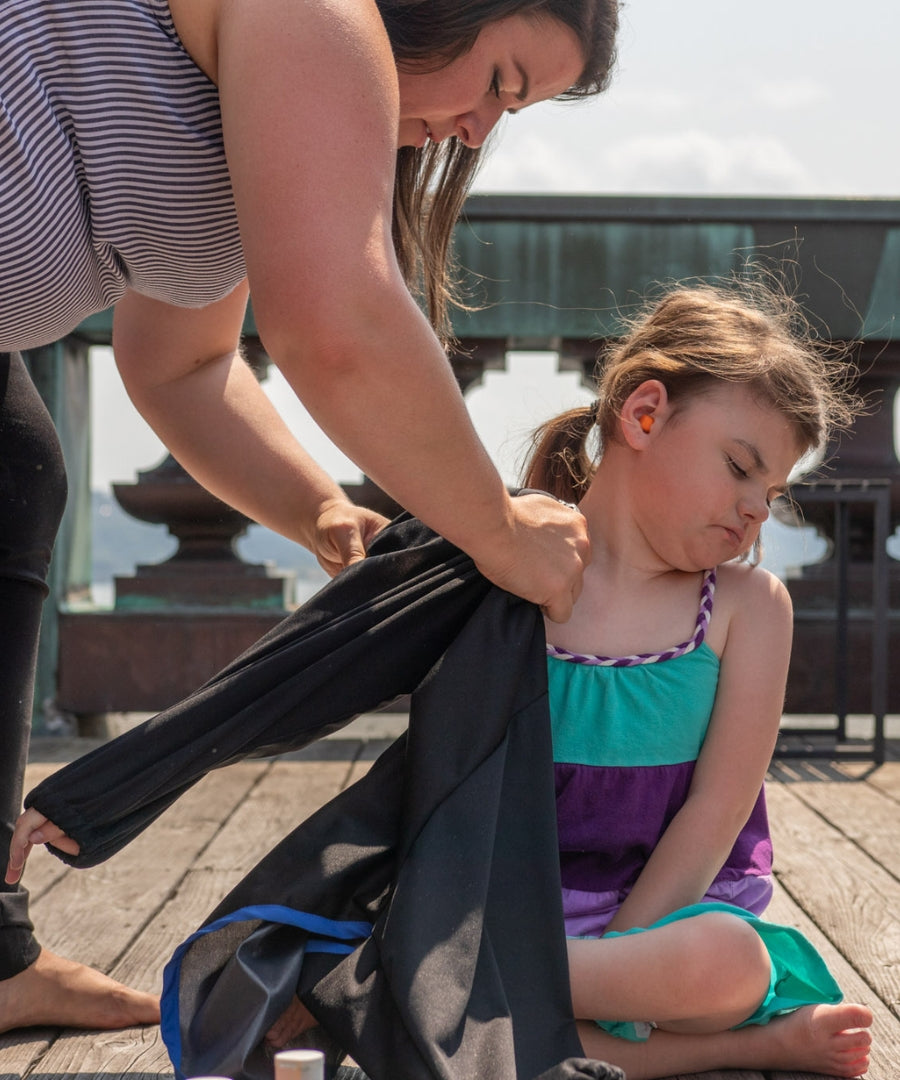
830	1039
55	992
293	1022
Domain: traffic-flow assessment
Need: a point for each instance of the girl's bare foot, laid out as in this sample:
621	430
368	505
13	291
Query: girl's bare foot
293	1022
55	992
830	1039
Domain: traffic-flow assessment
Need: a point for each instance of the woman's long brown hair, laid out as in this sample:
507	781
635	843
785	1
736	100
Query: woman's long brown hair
431	183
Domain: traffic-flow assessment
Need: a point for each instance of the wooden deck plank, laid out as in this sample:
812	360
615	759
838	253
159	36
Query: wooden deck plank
865	811
846	893
885	1029
163	854
836	852
887	777
21	1050
93	915
130	1054
292	791
723	1074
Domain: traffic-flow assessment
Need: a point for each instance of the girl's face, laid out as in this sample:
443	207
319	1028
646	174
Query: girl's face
709	473
514	63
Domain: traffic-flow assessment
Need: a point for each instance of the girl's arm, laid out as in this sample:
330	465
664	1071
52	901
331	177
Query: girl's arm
310	115
736	753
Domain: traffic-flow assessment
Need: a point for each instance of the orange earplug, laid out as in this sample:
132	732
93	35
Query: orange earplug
646	423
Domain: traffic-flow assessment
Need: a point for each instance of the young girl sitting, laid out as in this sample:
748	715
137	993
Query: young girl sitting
666	689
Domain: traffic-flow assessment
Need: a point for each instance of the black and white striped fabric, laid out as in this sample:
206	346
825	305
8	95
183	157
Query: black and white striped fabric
112	167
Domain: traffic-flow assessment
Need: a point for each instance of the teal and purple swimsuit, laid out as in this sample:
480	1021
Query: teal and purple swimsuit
627	732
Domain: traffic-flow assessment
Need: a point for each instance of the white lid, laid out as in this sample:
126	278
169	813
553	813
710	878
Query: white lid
300	1065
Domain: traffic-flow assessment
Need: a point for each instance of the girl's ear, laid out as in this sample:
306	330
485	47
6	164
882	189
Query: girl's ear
645	409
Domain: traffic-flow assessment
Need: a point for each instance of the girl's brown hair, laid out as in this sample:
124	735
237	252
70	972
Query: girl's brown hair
692	339
431	183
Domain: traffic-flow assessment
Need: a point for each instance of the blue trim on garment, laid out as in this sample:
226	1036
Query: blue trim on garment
331	936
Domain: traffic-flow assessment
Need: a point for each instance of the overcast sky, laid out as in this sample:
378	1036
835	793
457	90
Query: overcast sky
714	97
773	97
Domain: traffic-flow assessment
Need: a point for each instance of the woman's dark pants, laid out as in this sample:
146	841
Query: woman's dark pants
32	500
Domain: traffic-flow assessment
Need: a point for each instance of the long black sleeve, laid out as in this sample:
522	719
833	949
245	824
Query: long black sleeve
367	637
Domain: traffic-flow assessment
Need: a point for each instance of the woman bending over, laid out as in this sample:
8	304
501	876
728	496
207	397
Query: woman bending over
314	155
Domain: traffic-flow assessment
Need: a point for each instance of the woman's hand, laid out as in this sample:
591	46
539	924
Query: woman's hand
33	828
543	556
343	534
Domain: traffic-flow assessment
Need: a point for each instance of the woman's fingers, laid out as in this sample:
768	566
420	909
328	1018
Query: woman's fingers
344	532
34	828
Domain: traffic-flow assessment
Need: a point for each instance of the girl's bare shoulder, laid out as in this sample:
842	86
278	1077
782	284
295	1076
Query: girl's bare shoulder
752	590
749	598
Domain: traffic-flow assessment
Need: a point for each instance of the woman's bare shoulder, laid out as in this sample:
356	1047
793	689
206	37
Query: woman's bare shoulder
198	23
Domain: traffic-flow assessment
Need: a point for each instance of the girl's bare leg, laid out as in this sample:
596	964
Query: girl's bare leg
711	971
696	979
829	1039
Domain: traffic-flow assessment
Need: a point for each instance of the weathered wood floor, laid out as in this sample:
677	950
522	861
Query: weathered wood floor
836	829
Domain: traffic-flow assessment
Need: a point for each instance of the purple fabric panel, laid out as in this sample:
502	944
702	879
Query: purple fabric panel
589	914
752	852
610	820
751	892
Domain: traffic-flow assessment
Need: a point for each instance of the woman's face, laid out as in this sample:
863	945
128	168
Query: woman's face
514	63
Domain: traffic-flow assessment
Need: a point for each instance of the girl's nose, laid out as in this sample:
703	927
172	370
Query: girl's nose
756	508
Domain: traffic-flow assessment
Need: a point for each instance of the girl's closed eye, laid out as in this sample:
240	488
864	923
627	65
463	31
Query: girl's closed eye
494	88
733	465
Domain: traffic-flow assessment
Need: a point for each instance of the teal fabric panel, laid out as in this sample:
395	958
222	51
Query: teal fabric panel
650	714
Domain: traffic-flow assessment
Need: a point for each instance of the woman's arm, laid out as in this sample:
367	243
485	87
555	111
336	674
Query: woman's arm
310	114
185	376
735	755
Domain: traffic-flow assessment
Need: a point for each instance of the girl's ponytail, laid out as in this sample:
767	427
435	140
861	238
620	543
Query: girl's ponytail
559	460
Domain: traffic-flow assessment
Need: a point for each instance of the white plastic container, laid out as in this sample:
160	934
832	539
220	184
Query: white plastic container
299	1065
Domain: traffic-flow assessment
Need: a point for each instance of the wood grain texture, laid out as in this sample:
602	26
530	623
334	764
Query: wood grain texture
836	829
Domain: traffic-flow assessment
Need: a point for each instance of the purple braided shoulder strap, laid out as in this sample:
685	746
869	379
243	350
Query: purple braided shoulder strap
704	614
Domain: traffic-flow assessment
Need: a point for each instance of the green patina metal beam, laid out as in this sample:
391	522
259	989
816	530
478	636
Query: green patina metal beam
61	375
540	267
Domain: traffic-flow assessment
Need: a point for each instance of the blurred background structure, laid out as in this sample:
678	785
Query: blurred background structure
550	277
733	133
